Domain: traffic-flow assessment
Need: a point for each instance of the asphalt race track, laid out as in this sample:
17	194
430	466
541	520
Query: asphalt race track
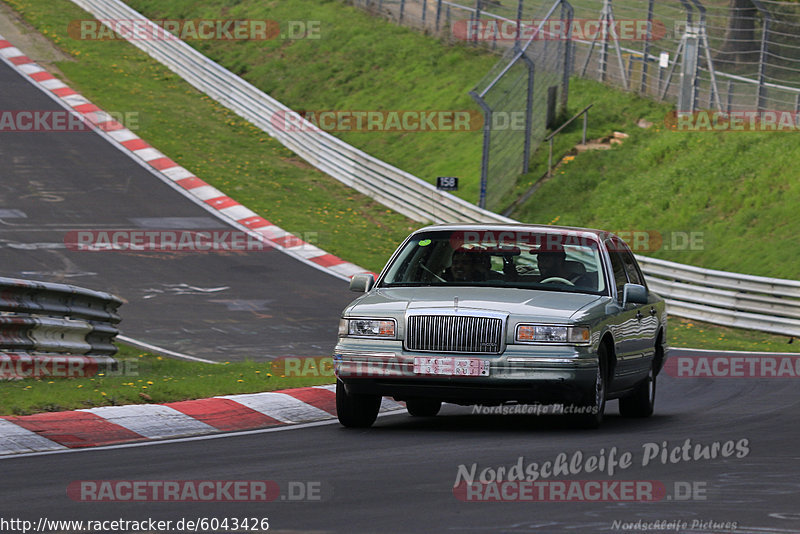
398	476
237	305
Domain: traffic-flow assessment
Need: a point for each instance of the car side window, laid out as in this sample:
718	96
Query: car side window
618	266
630	267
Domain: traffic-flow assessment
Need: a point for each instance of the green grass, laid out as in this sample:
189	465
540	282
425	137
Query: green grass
146	378
736	189
696	334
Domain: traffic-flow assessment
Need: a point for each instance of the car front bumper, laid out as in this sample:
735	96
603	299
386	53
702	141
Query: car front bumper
523	373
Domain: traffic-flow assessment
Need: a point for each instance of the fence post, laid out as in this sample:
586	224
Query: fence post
424	11
568	14
402	9
487	138
585	125
761	98
730	95
438	14
646	51
477	18
519	25
526	156
691	51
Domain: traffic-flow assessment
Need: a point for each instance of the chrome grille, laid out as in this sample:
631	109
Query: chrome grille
454	333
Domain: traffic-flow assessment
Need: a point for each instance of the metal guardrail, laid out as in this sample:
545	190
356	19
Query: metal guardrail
42	323
729	299
719	297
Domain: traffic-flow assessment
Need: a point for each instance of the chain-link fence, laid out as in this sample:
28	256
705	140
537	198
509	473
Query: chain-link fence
521	96
724	55
702	54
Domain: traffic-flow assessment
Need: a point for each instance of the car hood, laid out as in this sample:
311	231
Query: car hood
547	305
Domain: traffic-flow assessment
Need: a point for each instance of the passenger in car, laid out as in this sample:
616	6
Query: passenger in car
471	265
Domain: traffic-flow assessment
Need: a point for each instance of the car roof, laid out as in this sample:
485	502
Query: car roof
505	227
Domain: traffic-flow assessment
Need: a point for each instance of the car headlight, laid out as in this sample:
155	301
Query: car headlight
534	333
367	328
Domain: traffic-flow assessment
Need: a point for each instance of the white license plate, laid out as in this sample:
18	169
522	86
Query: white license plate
451	366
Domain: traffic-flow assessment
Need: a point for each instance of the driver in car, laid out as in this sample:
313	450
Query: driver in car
471	265
553	264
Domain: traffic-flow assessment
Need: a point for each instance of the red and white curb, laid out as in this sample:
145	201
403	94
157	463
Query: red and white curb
114	425
170	172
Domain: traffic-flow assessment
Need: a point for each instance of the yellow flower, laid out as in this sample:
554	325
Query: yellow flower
80	385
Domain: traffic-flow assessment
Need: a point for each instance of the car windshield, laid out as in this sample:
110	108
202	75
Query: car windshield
568	262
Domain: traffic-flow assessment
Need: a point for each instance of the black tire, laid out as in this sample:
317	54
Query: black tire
597	407
423	407
642	401
356	411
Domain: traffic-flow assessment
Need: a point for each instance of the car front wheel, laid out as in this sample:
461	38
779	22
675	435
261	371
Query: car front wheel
641	402
356	411
593	417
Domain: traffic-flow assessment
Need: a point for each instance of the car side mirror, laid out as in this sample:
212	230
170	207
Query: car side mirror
634	294
362	283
